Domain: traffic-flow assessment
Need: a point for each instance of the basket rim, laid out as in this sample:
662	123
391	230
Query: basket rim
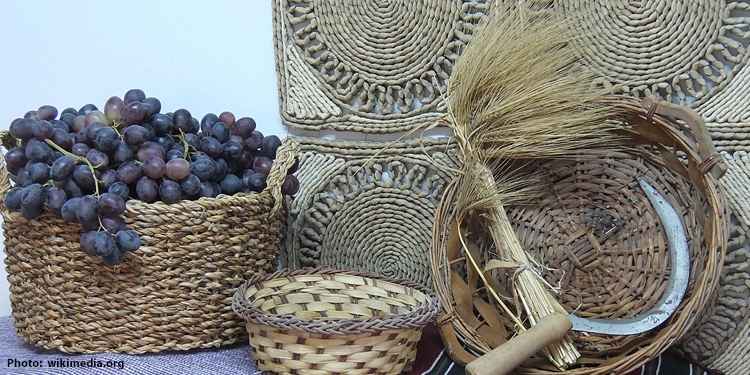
415	319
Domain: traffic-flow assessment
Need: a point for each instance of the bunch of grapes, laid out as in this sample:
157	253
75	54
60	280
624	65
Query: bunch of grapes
86	164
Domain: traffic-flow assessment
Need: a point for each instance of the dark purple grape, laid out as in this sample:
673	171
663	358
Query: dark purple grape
134	95
149	149
80	149
252	143
39	151
120	154
104	243
68	210
133	113
246	160
91	130
207	122
220	131
217	189
113	109
175	153
129	172
166	141
244	127
87	209
148	110
92	225
63	139
154	102
263	165
256	182
112	223
31	212
79	124
204	167
30	115
290	186
207	189
21	129
235	138
58	124
71	188
12	199
177	168
106	139
39	173
170	192
154	167
120	189
182	120
111	204
33	195
42	129
195	126
232	151
22	178
161	123
46	112
128	240
190	185
98	159
227	118
107	178
230	184
269	145
62	168
146	189
193	141
294	167
55	199
135	135
83	177
212	147
151	131
16	157
68	118
86	109
87	243
114	258
69	110
221	170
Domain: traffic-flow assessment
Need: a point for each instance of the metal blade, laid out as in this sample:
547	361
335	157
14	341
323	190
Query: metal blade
678	280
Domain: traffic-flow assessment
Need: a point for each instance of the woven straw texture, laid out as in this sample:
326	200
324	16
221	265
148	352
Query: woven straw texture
602	245
367	206
367	66
174	293
326	321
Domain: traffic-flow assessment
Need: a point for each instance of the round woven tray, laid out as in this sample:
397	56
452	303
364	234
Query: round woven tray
327	321
601	242
174	293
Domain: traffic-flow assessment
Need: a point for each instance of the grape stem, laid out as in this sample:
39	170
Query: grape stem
78	159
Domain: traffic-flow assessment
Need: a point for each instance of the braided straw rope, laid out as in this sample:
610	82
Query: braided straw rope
174	293
325	321
365	206
601	244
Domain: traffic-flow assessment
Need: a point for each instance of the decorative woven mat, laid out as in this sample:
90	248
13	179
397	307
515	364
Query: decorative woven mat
368	206
367	66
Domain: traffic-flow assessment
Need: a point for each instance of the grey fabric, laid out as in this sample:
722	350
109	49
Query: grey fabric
234	359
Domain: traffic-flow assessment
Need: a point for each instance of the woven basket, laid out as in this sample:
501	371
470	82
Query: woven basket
174	293
602	242
327	321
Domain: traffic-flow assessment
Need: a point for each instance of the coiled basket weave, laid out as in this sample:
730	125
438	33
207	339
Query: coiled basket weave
174	293
328	321
600	242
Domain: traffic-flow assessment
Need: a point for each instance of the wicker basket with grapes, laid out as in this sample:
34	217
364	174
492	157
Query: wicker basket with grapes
128	229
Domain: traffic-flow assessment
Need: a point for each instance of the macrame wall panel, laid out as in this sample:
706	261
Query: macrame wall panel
368	206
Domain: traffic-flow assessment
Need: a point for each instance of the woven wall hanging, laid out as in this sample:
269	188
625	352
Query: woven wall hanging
367	206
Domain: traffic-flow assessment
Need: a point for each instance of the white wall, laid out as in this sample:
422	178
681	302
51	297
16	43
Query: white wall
206	56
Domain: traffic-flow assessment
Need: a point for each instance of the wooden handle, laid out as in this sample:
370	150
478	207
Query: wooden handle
506	357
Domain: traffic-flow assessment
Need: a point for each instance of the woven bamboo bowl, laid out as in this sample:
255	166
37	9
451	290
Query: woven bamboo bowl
601	242
173	293
327	321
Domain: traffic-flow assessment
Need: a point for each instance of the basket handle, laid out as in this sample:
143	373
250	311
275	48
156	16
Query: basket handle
285	159
695	124
7	141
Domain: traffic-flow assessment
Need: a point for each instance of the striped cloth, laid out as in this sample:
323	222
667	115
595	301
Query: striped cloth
19	357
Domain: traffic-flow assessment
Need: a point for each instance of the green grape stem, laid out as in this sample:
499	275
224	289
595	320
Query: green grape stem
78	159
184	143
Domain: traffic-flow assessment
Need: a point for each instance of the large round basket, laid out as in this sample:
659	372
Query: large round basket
600	241
327	321
173	293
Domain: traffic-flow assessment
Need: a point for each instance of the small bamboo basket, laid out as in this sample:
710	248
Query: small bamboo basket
327	321
600	242
173	293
